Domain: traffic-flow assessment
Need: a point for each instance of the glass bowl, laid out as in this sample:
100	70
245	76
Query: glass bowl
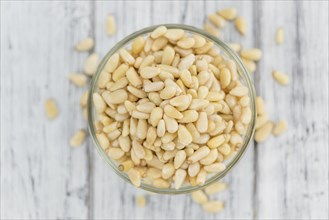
244	76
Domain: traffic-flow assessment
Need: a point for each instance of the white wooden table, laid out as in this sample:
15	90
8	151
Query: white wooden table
43	178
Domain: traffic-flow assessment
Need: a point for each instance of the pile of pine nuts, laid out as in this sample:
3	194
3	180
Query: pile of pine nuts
171	109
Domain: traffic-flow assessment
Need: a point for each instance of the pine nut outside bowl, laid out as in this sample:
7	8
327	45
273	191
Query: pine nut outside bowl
244	77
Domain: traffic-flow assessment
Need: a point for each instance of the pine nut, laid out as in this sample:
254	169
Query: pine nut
174	34
215	188
78	138
115	153
91	64
263	132
216	141
120	72
186	62
159	43
137	45
189	116
180	176
260	105
158	32
168	171
153	173
78	79
111	26
279	37
112	63
199	154
235	46
281	78
184	136
171	124
124	143
179	159
85	44
250	65
199	197
213	206
120	84
168	92
211	29
261	120
217	20
149	72
210	158
228	13
161	128
126	165
161	183
135	177
201	177
136	92
51	109
215	167
280	127
239	91
202	122
251	54
186	43
178	101
241	25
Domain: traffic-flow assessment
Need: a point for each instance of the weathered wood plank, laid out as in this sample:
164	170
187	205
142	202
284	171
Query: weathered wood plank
41	176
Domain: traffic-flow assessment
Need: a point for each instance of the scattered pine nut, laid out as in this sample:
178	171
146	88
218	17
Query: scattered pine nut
84	99
91	64
211	29
78	79
280	127
263	132
228	13
141	201
217	20
235	46
85	45
251	54
241	25
215	188
199	197
78	138
111	26
279	36
51	109
213	206
281	78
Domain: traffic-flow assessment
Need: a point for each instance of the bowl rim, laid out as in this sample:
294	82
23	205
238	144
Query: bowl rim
242	71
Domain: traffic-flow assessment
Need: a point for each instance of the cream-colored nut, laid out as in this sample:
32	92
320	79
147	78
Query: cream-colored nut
202	122
161	128
228	13
124	143
120	84
251	54
51	109
153	87
235	46
179	158
149	72
215	167
172	112
211	29
216	141
159	43
174	34
217	20
135	177
120	72
186	43
99	103
186	62
91	64
138	45
281	78
158	32
133	78
260	105
85	44
280	127
199	197
111	26
161	183
201	153
279	36
241	25
194	169
261	120
126	56
263	132
201	177
117	97
180	176
250	65
239	91
78	138
210	158
78	79
168	171
213	206
136	92
112	63
115	153
171	124
184	136
179	101
215	188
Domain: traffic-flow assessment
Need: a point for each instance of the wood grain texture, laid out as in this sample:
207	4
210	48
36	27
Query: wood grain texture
43	178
